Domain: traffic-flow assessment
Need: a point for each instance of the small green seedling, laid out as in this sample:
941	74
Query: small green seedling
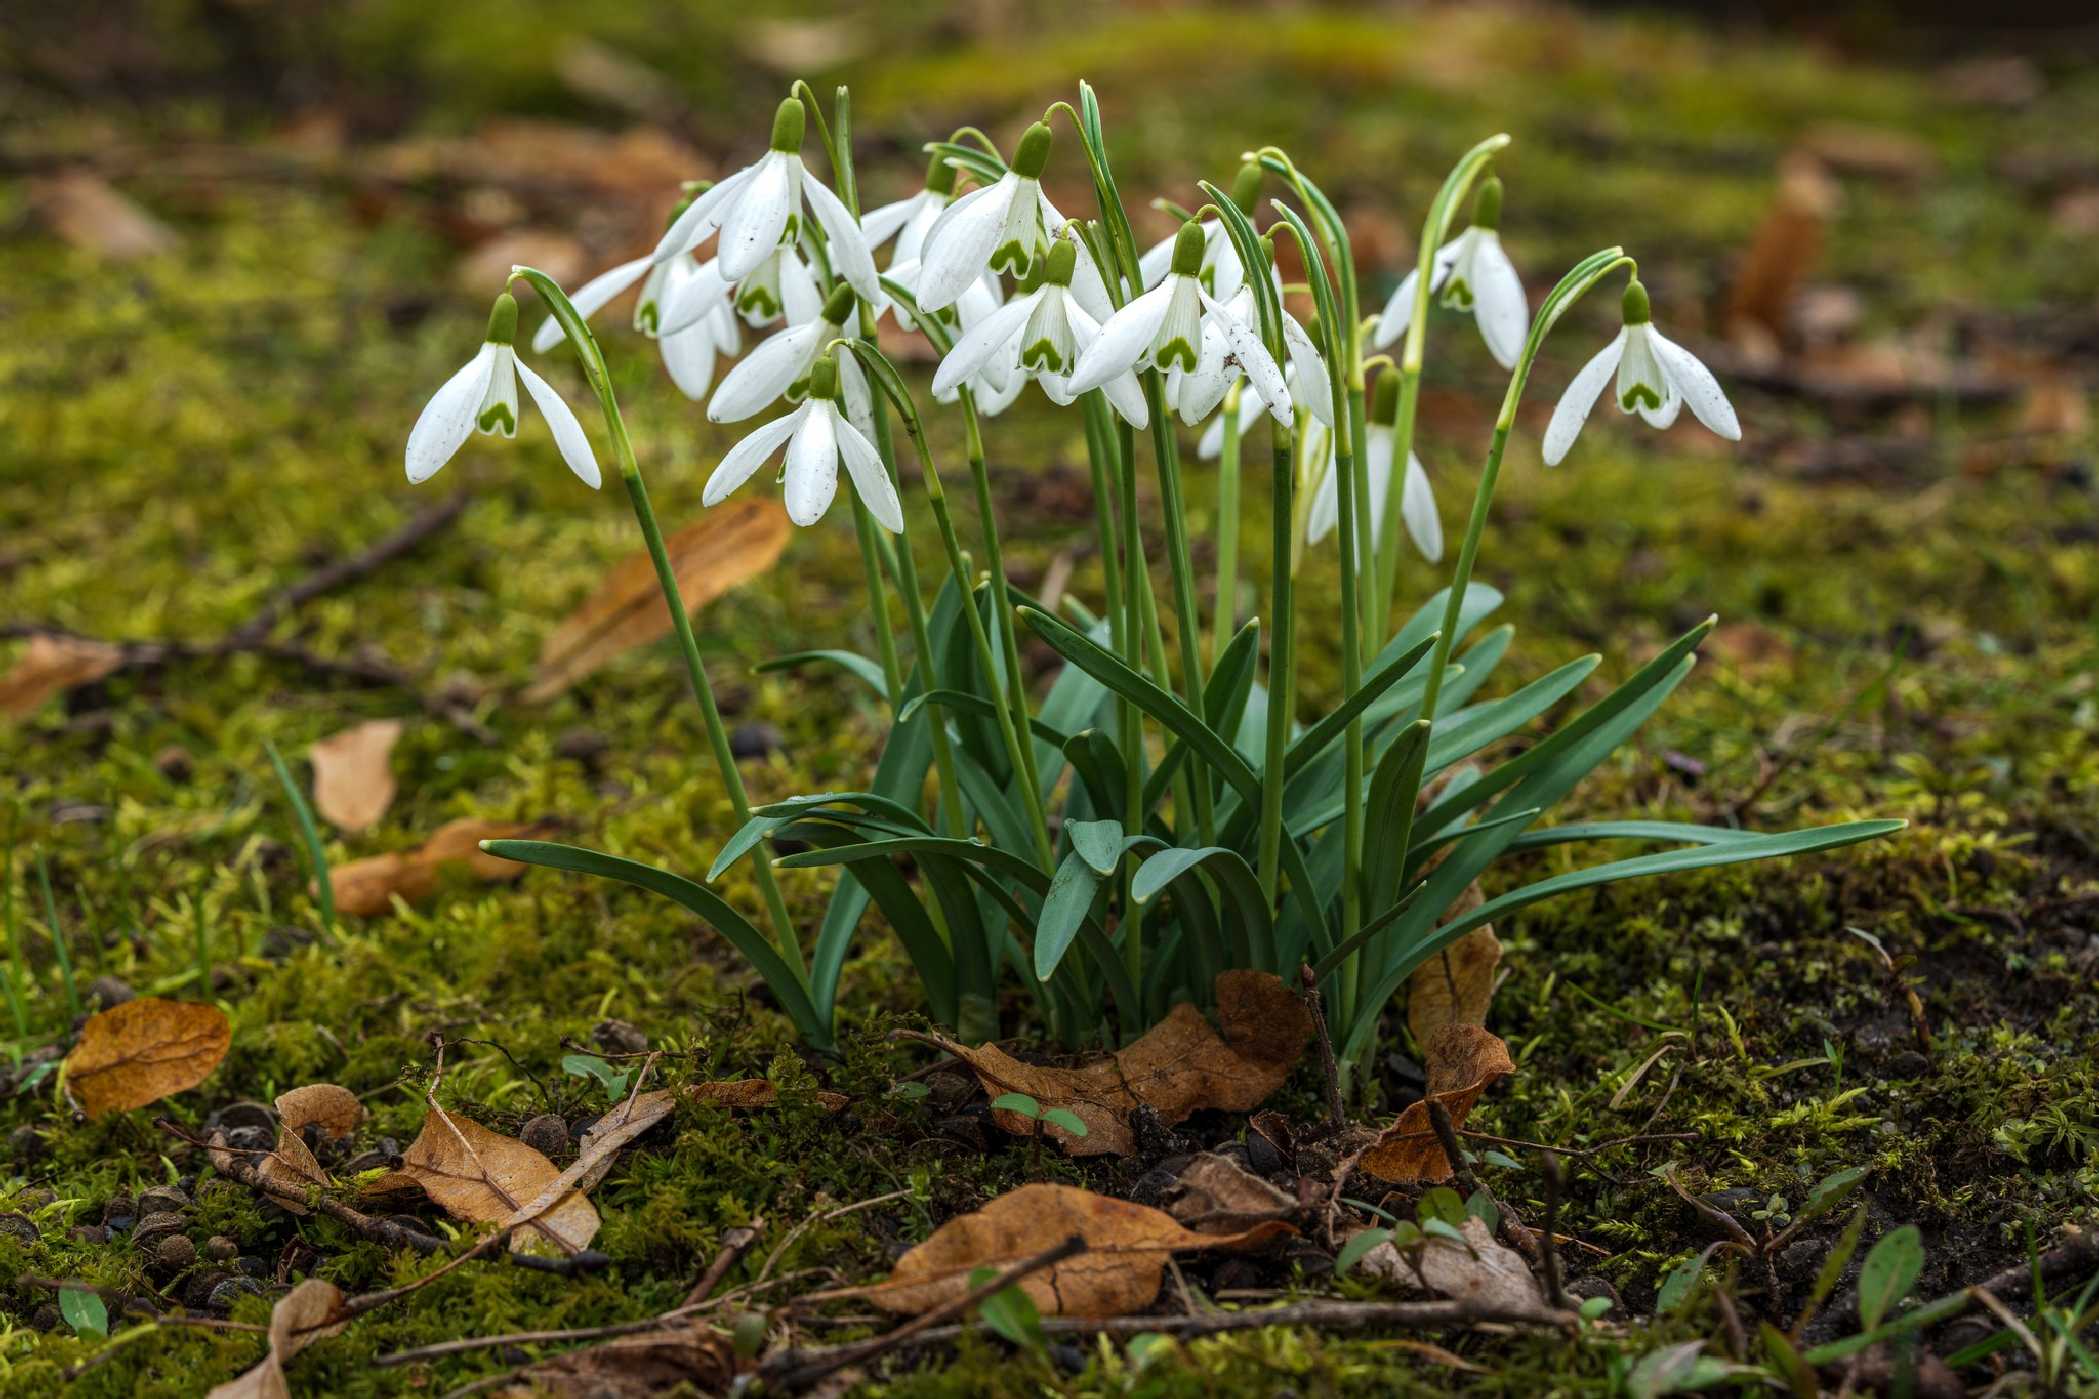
591	1066
1026	1106
84	1311
1009	1312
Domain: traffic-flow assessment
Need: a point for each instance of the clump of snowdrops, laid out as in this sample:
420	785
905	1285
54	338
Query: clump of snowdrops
1160	810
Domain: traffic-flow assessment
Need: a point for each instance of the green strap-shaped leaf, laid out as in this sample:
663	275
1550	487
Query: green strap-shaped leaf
1064	910
1335	724
979	707
1480	600
851	662
1224	702
1234	876
1098	843
991	857
869	863
1461	734
1628	830
703	902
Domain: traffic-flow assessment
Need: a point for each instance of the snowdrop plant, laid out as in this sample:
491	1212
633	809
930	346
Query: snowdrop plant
1160	807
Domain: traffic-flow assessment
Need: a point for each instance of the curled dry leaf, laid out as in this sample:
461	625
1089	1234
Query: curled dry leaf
488	1178
290	1170
143	1050
353	782
51	665
1481	1271
1126	1249
1455	986
755	1093
692	1358
628	1120
1179	1067
310	1312
364	888
1464	1061
724	547
1216	1195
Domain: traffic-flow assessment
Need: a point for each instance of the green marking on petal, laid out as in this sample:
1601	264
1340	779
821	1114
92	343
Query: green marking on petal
1012	257
1042	357
645	317
1638	394
1175	352
759	299
1457	294
497	417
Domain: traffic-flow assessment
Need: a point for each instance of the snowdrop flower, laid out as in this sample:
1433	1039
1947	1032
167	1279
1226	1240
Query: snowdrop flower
483	395
818	436
761	204
1417	501
1221	274
1656	378
1037	335
1196	393
1475	275
1003	227
1164	329
781	367
908	221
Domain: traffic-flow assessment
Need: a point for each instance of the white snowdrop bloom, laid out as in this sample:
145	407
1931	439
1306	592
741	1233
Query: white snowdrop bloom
483	395
762	204
818	436
781	366
1656	378
981	299
781	287
1196	393
1002	227
1163	329
908	221
1473	274
1037	335
1417	500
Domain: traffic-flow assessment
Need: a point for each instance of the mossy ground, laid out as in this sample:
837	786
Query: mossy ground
182	436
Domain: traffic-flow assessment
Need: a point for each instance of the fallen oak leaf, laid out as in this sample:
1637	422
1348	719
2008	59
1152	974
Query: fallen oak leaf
1217	1196
1179	1067
485	1177
353	782
726	546
51	665
310	1312
144	1050
364	888
755	1093
1456	986
609	1133
1127	1247
290	1171
1464	1061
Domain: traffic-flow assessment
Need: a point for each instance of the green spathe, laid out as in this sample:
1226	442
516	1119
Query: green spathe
1636	309
1033	155
1188	249
788	123
502	320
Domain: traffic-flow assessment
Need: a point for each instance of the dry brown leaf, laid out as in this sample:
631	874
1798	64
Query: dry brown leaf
695	1358
290	1170
1482	1271
87	213
1219	1196
488	263
1456	986
353	781
1877	152
608	1134
1180	1066
1126	1248
754	1093
1464	1061
732	542
1787	245
143	1050
486	1177
310	1312
367	887
1749	646
51	665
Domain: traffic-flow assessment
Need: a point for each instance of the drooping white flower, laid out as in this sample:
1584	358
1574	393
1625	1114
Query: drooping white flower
818	436
781	366
1417	500
909	220
1164	329
1195	393
762	204
1038	335
1002	227
1473	274
483	395
1656	378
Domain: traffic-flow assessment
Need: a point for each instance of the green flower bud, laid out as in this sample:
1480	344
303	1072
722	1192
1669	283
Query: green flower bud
1637	311
1486	205
788	122
940	176
1384	403
1033	155
840	304
1188	250
1246	187
1062	262
823	377
502	320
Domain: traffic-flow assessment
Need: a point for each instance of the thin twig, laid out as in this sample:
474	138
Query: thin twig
1549	1244
385	1232
1316	1003
734	1243
1447	1135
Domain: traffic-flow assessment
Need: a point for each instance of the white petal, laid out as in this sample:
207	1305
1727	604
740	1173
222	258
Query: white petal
1088	289
751	227
864	464
502	391
992	399
911	243
800	298
765	374
850	257
1123	339
695	297
1227	275
853	390
1398	314
1313	386
689	356
568	433
982	342
878	226
959	246
1253	357
1689	376
1504	315
701	217
1417	505
750	454
1157	260
1127	396
1326	501
447	420
812	465
1581	395
1642	369
590	298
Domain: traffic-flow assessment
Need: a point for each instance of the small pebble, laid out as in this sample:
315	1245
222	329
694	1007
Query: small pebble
754	740
35	1197
254	1267
583	746
175	763
618	1037
107	991
546	1134
120	1212
19	1227
162	1199
174	1253
196	1292
224	1294
45	1318
221	1249
152	1229
89	1234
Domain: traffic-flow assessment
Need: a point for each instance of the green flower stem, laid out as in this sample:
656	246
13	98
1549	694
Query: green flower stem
1282	665
877	600
1099	444
1187	626
1226	620
1374	604
1137	582
593	361
1015	684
